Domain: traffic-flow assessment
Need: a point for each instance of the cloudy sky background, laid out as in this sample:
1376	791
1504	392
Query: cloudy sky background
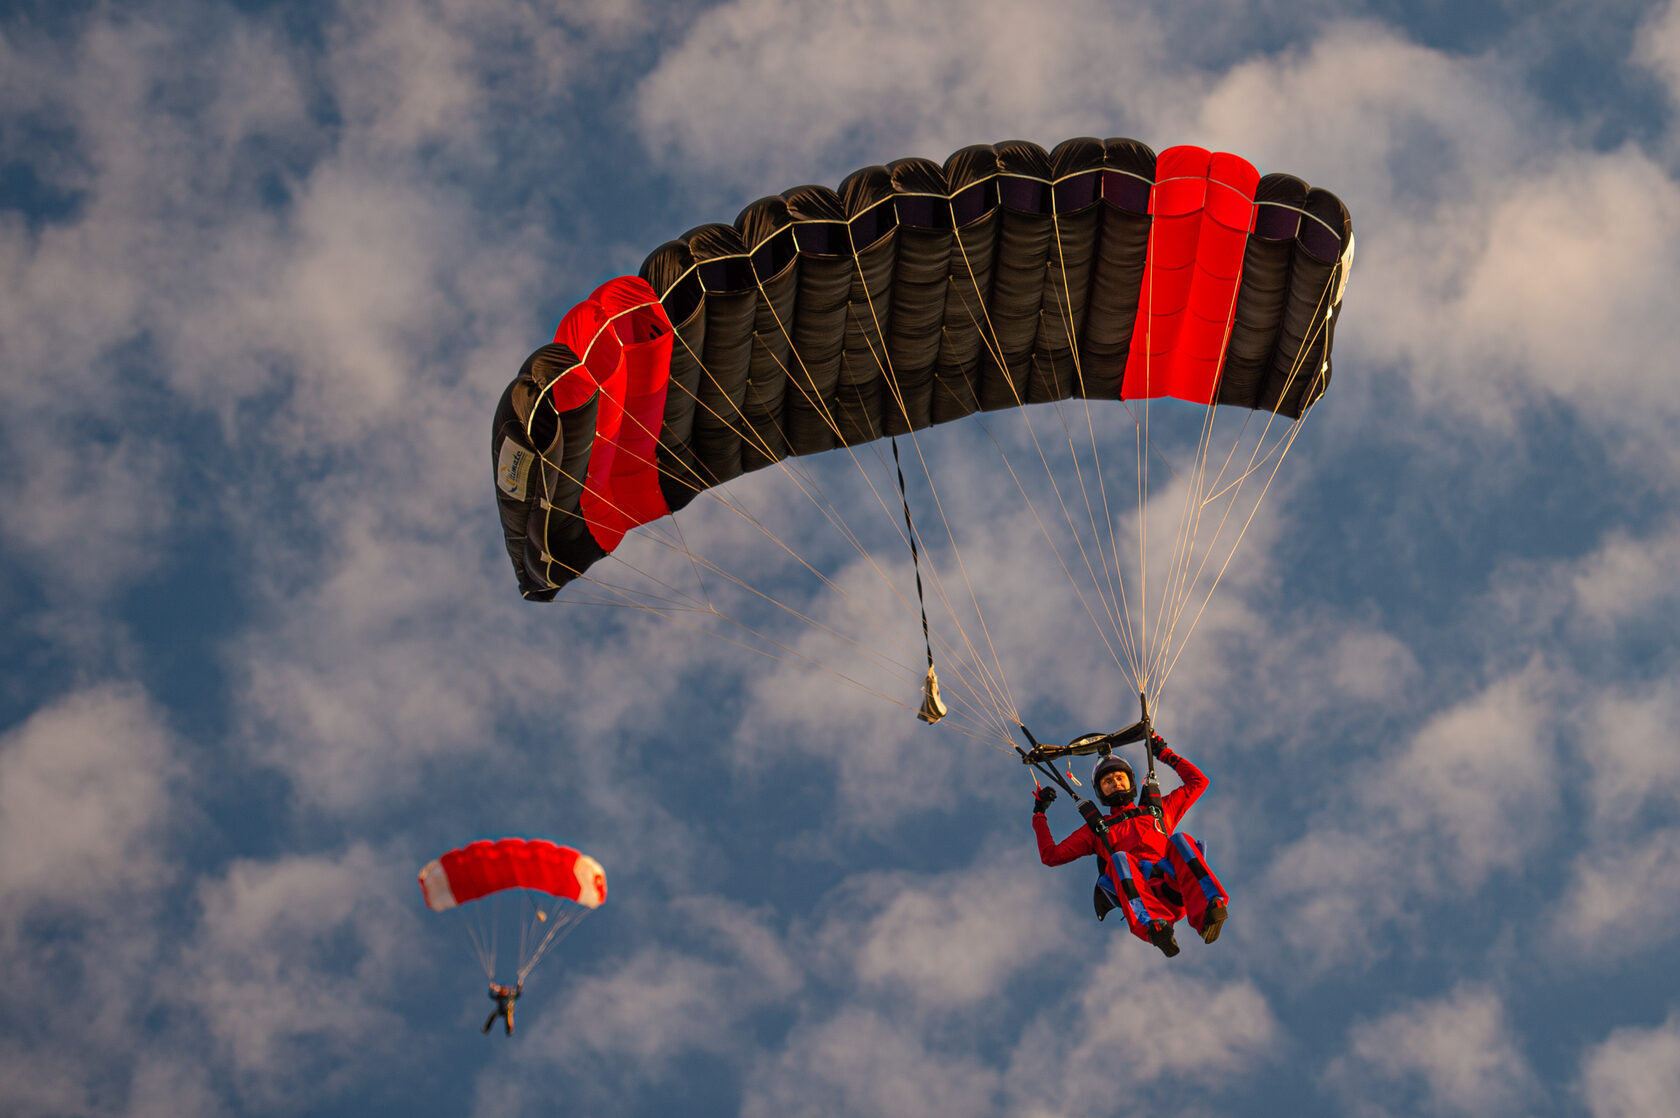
266	269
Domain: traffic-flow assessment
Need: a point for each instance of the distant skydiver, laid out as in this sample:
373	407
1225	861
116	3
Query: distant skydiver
505	997
1162	872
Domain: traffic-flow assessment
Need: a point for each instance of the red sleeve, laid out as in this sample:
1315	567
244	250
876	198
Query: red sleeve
1053	853
1175	803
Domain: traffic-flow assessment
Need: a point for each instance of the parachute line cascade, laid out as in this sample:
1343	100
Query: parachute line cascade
1044	307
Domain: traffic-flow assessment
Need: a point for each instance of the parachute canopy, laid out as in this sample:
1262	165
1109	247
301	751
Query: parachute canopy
484	867
915	294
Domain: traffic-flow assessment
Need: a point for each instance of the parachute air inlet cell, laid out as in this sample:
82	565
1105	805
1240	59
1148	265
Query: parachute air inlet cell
591	882
434	883
914	295
485	867
627	359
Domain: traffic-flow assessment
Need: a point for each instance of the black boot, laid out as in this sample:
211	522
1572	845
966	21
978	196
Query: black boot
1161	935
1212	920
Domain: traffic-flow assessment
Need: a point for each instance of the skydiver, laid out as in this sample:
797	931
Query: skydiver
1162	872
504	997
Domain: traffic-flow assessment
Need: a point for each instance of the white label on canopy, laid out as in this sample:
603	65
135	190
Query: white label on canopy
513	469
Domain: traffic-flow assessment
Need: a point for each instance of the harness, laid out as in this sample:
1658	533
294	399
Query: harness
1126	815
1040	757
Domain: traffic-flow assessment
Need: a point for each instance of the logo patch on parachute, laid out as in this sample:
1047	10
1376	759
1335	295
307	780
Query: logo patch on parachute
513	469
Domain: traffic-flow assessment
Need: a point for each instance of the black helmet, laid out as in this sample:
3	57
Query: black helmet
1104	767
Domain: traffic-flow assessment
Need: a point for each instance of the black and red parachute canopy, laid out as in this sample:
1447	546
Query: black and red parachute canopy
915	294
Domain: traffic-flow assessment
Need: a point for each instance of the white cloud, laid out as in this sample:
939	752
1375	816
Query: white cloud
1633	1073
1459	1048
1144	1024
171	1086
772	93
223	247
113	972
1307	680
762	92
1473	792
341	301
860	1062
1627	578
350	700
92	808
1476	787
1628	744
397	655
86	494
1623	882
1623	897
950	941
1337	884
34	1081
629	1026
290	966
863	1060
404	72
153	183
84	1029
661	1005
1217	1030
86	786
1658	47
409	74
1577	254
1623	892
87	515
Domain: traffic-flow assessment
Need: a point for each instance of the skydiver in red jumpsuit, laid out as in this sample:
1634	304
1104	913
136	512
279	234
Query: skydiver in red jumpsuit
504	996
1158	873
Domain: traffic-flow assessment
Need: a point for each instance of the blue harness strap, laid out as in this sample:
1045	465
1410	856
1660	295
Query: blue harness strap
1105	898
1194	856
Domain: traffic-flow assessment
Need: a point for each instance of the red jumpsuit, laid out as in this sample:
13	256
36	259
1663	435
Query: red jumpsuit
1160	872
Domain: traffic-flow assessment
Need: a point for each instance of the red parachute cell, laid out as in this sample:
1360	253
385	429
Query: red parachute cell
485	867
1203	210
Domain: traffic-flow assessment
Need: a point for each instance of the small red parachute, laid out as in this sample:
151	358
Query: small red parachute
532	870
484	867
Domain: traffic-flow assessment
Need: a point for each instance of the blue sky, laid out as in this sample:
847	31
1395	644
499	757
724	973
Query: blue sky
267	269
